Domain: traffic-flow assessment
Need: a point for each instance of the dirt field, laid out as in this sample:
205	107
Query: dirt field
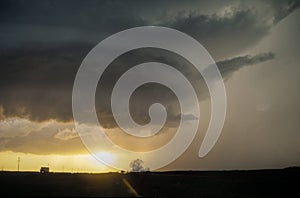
256	183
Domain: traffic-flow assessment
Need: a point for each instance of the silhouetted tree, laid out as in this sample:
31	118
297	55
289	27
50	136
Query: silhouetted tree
137	166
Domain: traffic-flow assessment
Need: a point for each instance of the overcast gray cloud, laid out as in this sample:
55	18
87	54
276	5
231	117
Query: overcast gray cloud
41	51
224	28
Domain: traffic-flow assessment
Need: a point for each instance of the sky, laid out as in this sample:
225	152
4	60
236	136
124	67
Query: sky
255	45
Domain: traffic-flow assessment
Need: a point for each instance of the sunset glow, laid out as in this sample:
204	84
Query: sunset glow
57	163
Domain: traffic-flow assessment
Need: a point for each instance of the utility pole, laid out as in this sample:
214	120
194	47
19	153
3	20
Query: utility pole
19	164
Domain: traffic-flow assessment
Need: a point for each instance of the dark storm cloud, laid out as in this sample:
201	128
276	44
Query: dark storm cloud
44	42
38	83
57	22
236	29
45	91
148	94
284	9
223	35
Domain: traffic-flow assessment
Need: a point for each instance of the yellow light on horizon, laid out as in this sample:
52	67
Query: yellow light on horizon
57	163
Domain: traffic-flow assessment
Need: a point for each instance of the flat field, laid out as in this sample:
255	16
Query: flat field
253	183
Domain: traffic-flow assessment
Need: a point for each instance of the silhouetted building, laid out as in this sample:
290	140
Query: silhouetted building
44	170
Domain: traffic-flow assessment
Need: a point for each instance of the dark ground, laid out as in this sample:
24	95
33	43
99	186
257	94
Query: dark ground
255	183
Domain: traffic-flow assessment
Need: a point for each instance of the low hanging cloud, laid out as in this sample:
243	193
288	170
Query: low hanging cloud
227	67
66	134
146	95
22	135
45	94
1	113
